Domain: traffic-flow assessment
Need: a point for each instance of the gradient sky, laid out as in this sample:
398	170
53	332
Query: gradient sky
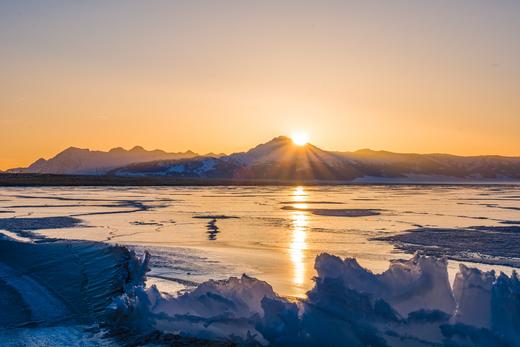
409	76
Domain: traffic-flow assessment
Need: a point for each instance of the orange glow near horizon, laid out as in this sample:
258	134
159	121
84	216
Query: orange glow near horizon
397	76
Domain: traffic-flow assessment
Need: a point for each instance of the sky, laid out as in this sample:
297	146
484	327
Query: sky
223	76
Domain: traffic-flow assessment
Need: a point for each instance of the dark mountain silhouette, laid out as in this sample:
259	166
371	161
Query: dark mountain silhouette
281	159
73	161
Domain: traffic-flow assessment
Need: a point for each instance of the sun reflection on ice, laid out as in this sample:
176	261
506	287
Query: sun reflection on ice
299	234
299	194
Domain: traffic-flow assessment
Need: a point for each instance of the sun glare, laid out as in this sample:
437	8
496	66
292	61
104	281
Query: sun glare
300	139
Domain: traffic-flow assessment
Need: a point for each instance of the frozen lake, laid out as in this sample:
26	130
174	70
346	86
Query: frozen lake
272	233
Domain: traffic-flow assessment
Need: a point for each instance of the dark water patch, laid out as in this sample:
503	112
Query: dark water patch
337	212
213	229
328	231
510	222
482	244
6	211
146	223
134	205
317	202
234	195
513	208
106	212
168	221
137	206
58	206
513	198
17	224
215	216
499	229
462	216
65	198
25	226
470	217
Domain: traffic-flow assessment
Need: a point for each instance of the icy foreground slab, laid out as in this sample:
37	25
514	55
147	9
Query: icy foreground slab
420	283
410	304
62	281
49	286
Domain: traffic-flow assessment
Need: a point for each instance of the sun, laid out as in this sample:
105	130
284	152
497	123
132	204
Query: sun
300	139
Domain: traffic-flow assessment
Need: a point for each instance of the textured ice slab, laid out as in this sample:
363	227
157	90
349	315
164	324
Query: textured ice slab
59	287
62	281
411	304
39	301
54	336
472	290
408	285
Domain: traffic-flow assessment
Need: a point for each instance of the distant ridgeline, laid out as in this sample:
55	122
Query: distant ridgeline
279	160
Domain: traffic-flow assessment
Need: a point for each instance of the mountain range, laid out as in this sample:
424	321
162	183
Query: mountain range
281	160
73	161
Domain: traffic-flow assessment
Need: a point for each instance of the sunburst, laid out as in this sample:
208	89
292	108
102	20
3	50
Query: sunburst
300	138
